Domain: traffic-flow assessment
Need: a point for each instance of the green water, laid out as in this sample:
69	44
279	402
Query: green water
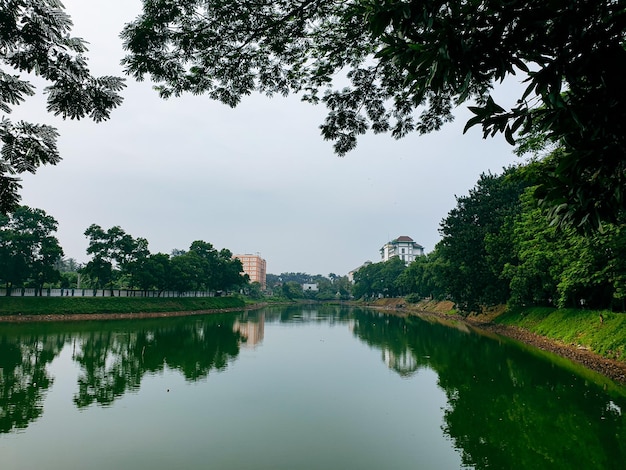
296	388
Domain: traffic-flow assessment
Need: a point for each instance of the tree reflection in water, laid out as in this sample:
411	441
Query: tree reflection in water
24	378
506	407
113	357
114	362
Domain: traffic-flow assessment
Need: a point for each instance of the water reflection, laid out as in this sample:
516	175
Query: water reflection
113	358
506	407
114	362
24	377
251	327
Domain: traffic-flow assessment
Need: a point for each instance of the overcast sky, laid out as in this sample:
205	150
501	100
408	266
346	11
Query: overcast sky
255	179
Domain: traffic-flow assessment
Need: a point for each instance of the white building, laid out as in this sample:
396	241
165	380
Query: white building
403	247
351	273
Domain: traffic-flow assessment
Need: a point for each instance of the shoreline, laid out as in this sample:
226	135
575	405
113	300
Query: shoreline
61	317
611	368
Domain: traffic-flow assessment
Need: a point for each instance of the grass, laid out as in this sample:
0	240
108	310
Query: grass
602	332
73	305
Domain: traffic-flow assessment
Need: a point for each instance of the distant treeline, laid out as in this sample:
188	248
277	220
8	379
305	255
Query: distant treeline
497	247
31	257
289	285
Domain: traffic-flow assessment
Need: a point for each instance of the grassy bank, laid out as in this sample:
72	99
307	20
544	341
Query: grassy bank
602	332
78	305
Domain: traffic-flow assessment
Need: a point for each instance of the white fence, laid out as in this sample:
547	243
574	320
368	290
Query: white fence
32	292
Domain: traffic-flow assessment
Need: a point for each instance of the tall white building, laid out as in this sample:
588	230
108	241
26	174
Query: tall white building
403	247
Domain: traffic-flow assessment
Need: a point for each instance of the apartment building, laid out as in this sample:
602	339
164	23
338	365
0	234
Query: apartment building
255	267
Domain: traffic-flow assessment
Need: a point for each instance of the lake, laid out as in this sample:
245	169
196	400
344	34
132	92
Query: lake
297	388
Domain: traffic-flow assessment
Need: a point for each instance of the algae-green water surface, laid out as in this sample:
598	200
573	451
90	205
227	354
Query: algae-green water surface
296	388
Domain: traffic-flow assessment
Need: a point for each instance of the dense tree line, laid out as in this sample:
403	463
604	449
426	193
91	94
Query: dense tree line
498	246
380	279
290	286
30	256
120	260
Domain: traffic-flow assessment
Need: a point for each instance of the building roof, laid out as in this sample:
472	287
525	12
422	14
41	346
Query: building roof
402	239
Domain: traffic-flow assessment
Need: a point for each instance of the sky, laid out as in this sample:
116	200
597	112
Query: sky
258	178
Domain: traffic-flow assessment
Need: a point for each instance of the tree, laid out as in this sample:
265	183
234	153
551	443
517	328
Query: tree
205	258
253	290
114	253
392	270
472	250
368	281
184	273
409	63
205	268
380	279
153	272
35	39
29	251
420	277
562	267
229	271
342	287
292	290
68	265
540	253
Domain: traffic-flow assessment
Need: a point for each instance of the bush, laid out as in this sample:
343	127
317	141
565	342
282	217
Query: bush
413	298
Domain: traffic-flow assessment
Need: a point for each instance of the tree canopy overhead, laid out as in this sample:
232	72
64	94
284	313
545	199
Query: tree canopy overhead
407	65
35	39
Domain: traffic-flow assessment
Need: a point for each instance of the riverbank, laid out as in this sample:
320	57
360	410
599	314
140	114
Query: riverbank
585	348
525	328
25	309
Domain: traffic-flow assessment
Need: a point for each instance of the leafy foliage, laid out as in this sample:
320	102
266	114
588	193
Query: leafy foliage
563	267
114	253
29	250
25	378
420	278
121	260
498	247
380	279
289	285
407	65
474	247
35	39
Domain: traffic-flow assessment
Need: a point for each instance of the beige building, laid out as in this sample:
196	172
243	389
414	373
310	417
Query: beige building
255	267
252	331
